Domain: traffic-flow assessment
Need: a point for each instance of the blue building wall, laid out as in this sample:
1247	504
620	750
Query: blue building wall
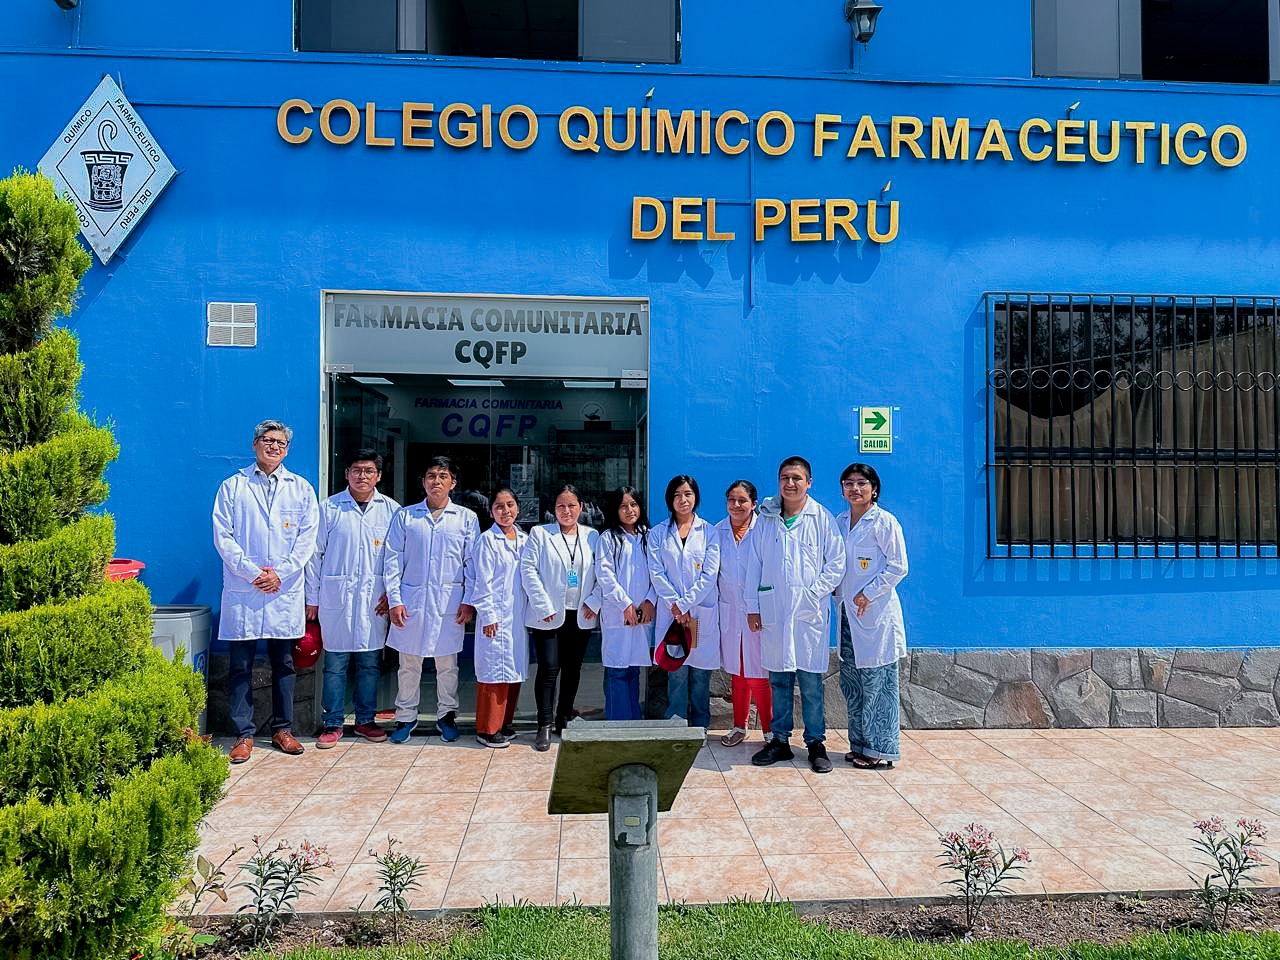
758	351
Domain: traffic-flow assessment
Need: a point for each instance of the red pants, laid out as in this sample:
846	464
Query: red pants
496	706
743	689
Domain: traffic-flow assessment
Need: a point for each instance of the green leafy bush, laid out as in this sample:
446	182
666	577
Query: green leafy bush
101	786
41	261
87	877
65	650
53	751
37	389
69	564
45	486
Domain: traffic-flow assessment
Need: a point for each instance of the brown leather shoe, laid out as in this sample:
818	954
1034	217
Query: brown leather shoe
283	741
240	752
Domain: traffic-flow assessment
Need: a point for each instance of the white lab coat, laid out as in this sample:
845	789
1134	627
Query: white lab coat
544	572
344	574
425	568
791	575
249	537
739	644
622	579
685	574
875	563
498	596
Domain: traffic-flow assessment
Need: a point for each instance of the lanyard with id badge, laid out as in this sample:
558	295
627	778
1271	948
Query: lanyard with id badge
572	580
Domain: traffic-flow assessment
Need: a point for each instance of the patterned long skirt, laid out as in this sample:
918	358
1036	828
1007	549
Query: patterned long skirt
871	694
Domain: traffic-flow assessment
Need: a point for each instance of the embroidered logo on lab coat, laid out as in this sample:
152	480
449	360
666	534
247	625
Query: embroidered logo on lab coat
864	562
286	524
377	543
696	566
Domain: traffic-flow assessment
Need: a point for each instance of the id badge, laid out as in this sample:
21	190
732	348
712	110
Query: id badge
573	578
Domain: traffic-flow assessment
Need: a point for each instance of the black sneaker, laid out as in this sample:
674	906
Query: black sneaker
773	751
509	732
495	740
818	761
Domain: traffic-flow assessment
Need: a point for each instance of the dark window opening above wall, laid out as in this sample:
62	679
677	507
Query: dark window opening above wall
1228	41
639	31
1132	425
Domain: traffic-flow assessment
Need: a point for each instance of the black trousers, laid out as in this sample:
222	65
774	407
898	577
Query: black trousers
559	652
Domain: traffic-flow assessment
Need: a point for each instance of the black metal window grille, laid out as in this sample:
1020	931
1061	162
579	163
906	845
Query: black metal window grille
1124	425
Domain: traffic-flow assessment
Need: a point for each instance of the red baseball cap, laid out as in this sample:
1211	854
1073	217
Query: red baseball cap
306	649
673	650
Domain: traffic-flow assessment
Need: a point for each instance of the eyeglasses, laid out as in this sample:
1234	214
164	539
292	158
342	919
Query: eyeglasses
363	471
859	484
273	442
792	481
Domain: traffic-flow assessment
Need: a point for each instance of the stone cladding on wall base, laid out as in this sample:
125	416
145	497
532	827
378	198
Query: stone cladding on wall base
1111	687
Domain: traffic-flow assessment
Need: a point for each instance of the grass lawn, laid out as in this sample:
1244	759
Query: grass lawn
762	931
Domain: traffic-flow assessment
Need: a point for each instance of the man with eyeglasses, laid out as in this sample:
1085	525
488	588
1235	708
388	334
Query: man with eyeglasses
264	528
797	560
346	595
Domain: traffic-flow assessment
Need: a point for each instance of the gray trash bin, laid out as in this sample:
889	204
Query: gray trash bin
186	626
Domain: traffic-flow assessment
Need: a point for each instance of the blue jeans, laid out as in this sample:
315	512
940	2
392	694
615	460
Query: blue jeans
334	698
240	684
783	687
689	695
622	693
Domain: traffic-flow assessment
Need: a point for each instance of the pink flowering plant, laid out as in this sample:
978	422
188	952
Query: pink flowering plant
1234	856
277	878
984	869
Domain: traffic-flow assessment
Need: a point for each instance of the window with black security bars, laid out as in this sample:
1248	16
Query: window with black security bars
1125	425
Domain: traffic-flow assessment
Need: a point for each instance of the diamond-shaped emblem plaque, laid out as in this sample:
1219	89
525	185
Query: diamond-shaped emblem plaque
110	165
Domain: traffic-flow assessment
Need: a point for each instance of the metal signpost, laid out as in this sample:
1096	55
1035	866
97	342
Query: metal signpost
630	770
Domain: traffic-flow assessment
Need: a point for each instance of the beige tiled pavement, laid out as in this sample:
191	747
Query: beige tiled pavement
1099	810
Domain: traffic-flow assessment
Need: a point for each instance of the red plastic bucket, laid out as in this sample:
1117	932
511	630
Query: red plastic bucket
120	569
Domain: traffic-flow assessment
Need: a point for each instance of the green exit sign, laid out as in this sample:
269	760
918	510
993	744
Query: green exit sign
875	429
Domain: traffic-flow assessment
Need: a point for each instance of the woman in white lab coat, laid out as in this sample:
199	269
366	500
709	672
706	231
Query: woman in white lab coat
739	645
502	642
684	561
873	637
557	570
627	602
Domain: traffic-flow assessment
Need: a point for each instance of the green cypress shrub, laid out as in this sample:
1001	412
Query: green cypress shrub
37	389
45	486
91	877
102	781
86	745
62	650
41	260
64	566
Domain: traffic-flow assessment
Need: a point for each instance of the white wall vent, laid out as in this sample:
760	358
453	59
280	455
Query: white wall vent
232	325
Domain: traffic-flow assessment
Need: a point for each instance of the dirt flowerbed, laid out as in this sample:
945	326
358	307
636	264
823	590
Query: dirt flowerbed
1050	922
365	930
1039	922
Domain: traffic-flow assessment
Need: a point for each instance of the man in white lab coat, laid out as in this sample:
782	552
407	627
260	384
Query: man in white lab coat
346	595
425	566
264	528
796	562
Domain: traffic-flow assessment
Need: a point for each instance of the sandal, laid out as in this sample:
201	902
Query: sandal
733	737
866	763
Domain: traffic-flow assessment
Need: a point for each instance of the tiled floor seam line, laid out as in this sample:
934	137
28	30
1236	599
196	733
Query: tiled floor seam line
457	857
861	856
773	884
